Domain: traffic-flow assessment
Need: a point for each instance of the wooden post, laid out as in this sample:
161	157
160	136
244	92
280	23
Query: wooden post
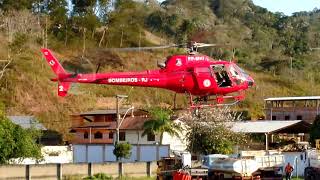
149	169
158	153
84	42
138	152
59	171
267	148
120	169
28	175
90	169
296	167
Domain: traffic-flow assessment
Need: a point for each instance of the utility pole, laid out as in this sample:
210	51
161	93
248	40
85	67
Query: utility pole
119	98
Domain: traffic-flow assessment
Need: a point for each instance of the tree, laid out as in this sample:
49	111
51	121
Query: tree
16	5
122	150
57	10
315	131
84	14
209	131
161	123
16	142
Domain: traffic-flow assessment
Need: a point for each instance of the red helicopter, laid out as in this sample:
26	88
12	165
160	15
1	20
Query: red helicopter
210	81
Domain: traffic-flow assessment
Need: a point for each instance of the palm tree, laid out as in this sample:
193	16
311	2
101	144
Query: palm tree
161	123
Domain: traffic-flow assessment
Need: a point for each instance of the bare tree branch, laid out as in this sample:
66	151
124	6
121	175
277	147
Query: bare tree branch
4	68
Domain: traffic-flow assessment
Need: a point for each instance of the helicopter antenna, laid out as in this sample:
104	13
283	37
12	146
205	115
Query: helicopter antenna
233	54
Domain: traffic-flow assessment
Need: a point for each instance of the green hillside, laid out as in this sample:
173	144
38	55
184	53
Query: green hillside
275	49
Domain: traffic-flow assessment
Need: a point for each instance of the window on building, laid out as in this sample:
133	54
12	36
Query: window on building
299	117
85	135
151	137
274	117
287	117
122	136
98	135
110	135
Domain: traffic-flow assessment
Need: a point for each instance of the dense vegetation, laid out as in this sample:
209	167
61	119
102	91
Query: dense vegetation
275	48
208	132
17	143
315	131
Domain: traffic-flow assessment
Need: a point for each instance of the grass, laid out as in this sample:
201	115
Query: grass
77	177
136	178
295	178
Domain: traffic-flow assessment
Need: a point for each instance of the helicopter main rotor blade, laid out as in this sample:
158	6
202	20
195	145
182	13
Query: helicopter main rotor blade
199	45
140	48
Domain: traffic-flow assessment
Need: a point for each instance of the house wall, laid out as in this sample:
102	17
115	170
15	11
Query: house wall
176	143
132	137
308	114
79	136
135	137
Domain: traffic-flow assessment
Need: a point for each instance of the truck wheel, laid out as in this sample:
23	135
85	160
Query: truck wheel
308	173
210	176
257	178
215	177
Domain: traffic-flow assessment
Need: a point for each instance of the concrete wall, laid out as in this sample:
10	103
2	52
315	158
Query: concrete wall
51	171
12	171
51	154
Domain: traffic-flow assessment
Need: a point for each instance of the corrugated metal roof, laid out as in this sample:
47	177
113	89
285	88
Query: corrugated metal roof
262	126
103	112
27	122
293	98
129	123
108	112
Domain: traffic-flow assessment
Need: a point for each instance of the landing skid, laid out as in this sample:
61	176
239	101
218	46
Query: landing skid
214	101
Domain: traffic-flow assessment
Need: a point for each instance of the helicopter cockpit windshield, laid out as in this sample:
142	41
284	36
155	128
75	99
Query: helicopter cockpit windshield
240	75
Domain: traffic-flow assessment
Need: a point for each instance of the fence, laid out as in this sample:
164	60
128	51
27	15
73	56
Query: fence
97	153
58	171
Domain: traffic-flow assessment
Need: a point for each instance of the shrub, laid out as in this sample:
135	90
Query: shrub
99	176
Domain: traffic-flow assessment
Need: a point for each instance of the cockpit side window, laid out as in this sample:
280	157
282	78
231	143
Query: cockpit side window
221	75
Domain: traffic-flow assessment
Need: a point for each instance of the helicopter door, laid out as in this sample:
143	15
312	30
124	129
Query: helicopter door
204	77
222	77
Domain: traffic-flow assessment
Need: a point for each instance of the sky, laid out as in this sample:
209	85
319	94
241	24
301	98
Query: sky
286	6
